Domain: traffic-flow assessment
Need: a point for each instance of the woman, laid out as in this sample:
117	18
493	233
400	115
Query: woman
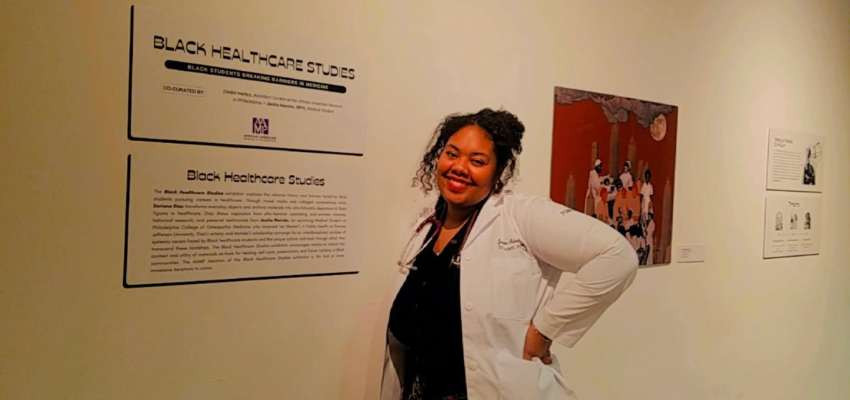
809	170
602	204
646	194
476	306
650	240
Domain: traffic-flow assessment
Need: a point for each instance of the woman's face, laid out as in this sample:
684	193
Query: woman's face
466	170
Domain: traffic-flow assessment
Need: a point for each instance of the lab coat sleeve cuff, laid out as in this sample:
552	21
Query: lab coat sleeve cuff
549	326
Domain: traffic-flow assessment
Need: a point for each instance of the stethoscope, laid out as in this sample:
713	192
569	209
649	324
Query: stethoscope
408	255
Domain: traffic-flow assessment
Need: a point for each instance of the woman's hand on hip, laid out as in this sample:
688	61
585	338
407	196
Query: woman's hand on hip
536	345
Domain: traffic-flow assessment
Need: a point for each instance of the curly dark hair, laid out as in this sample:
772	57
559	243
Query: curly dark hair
502	127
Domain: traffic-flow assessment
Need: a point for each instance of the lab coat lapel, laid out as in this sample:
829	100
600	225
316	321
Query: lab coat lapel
488	213
417	241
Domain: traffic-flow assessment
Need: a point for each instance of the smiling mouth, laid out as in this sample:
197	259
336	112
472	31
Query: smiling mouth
457	182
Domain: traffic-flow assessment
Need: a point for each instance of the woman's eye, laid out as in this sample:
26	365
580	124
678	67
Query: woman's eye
450	154
478	162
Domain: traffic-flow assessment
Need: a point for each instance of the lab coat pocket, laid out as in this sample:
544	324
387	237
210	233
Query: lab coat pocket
529	380
514	288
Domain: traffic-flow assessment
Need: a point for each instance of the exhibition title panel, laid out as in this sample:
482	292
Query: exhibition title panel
232	82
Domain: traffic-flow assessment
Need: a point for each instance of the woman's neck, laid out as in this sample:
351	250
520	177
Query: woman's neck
456	216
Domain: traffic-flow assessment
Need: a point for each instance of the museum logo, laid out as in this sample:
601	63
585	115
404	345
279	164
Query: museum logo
260	131
261	126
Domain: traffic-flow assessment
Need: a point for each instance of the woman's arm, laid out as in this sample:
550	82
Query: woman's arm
604	263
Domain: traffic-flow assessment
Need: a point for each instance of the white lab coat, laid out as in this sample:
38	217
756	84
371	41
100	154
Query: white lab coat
593	183
646	193
510	267
626	179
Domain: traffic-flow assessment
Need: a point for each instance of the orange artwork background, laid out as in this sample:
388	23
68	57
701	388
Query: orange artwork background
578	125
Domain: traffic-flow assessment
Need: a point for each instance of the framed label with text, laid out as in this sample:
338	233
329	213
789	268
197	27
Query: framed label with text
792	226
795	161
196	218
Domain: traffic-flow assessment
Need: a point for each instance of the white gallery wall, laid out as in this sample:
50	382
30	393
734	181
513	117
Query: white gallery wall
735	327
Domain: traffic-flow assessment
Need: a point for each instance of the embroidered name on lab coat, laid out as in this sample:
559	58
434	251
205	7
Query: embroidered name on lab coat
510	244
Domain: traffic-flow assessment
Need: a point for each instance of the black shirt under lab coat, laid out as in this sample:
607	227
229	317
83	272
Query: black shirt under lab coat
425	316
